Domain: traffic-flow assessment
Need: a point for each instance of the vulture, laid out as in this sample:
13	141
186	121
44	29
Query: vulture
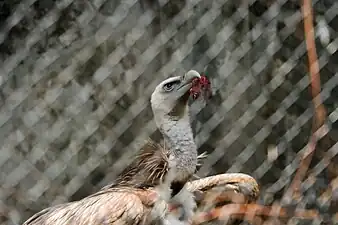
159	176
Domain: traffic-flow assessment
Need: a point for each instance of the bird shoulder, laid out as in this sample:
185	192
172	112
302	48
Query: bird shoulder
148	169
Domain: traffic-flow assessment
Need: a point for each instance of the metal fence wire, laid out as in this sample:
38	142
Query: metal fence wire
76	78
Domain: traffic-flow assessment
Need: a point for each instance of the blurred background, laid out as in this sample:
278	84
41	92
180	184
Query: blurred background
76	78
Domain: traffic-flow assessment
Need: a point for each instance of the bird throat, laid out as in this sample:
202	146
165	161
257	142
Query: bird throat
178	138
180	108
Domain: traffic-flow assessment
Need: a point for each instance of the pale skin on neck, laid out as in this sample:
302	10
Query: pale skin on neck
179	140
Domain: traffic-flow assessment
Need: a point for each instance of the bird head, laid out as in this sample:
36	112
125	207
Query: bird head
170	97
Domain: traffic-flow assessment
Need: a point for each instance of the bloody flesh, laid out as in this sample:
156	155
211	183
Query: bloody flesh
200	86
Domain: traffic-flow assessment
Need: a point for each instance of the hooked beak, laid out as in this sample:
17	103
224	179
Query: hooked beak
182	94
187	78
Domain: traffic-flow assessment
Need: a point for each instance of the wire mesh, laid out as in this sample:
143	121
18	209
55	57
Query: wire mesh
76	77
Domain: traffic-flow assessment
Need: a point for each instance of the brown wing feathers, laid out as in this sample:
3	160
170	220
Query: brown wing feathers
113	206
119	203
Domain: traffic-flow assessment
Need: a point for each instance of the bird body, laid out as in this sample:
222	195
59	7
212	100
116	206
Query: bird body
157	178
129	206
162	169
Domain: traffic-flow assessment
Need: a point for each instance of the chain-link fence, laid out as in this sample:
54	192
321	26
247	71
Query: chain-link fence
76	78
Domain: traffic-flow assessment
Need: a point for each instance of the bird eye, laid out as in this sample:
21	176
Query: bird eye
169	86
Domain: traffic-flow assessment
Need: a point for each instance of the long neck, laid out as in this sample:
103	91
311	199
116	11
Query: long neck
178	137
